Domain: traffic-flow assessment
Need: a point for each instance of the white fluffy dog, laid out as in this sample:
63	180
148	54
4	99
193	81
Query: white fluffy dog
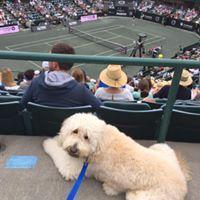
121	164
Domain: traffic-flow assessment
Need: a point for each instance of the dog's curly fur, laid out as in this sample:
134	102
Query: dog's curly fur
121	164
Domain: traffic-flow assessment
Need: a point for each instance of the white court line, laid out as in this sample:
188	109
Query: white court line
101	53
8	48
155	36
29	61
62	36
89	43
128	38
48	43
131	48
35	64
139	30
155	41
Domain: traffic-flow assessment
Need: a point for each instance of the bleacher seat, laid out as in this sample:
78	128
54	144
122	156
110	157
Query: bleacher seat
188	108
127	105
163	100
2	92
47	120
11	119
9	98
138	124
154	105
184	125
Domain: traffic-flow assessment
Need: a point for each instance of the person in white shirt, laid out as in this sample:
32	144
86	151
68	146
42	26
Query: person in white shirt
115	79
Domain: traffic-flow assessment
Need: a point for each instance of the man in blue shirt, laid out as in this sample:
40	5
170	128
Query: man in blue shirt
57	87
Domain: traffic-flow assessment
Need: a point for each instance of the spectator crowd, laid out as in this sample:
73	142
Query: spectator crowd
55	11
179	12
61	84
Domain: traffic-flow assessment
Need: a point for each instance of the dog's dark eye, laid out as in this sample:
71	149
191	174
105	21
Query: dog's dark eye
75	131
86	137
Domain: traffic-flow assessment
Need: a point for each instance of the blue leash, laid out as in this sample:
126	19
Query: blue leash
77	184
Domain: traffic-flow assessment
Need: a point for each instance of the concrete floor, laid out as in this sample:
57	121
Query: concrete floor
43	182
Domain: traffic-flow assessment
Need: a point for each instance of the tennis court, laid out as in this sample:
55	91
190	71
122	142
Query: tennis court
119	30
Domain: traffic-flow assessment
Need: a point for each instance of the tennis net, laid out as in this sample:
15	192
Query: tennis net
98	40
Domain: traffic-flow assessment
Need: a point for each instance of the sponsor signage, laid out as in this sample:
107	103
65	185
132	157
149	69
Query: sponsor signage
121	2
168	21
150	17
173	22
88	18
121	13
9	29
147	17
111	11
73	23
182	24
41	28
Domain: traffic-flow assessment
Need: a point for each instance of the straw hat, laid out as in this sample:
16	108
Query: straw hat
113	76
186	78
7	78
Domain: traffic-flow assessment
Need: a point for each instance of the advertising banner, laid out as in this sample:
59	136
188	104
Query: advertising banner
40	25
121	11
88	18
9	29
149	16
111	11
190	26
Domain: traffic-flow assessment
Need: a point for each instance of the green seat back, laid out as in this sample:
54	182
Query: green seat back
163	101
184	126
137	124
127	105
47	120
188	108
11	119
9	98
154	105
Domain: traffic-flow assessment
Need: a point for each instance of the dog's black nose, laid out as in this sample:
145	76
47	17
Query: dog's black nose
73	149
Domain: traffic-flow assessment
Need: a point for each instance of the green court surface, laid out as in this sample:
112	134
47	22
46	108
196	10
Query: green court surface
120	30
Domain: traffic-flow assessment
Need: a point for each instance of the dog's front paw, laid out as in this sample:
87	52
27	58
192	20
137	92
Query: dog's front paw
49	145
109	190
69	177
67	174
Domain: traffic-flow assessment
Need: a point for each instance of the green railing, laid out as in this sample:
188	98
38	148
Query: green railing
178	64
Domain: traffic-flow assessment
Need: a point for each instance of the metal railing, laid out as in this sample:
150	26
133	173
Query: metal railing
178	64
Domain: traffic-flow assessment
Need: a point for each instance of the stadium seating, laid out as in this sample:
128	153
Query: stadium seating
2	92
153	105
127	105
9	98
11	119
188	108
185	125
138	124
161	101
47	120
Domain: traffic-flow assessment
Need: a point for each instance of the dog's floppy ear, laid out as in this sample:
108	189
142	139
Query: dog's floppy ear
101	129
63	131
60	139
